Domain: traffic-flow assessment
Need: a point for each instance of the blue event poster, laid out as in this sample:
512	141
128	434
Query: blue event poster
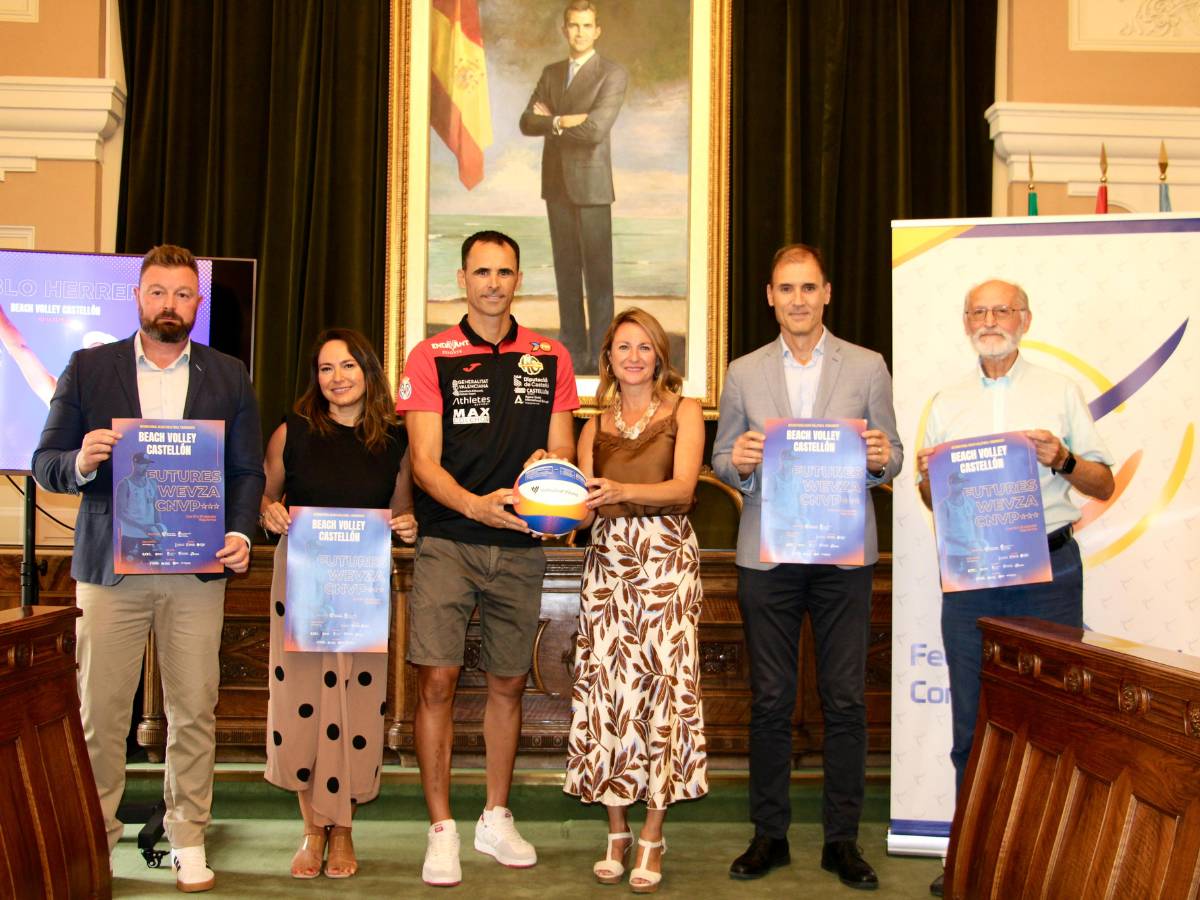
987	513
814	497
168	496
339	580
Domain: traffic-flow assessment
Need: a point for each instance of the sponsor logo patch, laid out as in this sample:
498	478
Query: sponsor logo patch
472	367
472	416
530	364
450	345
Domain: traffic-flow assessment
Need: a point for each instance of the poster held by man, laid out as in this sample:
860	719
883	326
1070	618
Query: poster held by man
987	513
169	504
814	492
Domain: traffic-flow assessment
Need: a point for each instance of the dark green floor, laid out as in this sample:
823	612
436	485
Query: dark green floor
255	830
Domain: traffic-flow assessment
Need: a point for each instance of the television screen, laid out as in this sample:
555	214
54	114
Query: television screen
52	304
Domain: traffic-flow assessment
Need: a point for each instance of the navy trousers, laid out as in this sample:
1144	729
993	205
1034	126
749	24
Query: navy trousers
1060	600
773	604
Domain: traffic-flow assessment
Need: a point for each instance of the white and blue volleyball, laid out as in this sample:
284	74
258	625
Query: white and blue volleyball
549	495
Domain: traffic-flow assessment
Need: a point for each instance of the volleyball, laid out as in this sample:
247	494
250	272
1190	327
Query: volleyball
549	495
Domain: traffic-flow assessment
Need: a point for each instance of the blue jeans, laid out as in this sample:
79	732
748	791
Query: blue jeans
1060	600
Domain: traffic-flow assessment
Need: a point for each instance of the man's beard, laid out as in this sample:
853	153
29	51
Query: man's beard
167	329
992	351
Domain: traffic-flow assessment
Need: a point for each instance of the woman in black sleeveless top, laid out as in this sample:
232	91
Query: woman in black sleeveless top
342	446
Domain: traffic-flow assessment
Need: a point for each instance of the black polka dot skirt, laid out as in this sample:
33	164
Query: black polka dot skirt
324	718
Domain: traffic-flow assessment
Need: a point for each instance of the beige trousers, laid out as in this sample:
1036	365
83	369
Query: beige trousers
186	615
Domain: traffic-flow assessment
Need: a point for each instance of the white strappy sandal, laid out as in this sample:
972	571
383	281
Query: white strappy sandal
640	873
609	870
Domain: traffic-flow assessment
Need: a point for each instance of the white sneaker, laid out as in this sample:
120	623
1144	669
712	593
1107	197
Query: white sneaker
497	836
192	873
442	868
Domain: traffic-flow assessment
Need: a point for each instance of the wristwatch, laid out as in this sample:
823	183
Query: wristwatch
1067	467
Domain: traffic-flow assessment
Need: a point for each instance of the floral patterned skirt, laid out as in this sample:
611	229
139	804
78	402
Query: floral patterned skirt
637	727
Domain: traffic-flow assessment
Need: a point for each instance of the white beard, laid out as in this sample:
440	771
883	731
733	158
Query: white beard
991	350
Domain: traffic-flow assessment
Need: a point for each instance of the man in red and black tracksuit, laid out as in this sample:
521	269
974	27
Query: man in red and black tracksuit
481	400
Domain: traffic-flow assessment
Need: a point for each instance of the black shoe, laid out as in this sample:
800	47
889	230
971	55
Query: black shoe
844	858
763	855
939	885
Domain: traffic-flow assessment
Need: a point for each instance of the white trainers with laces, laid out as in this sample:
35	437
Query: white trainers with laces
442	868
192	873
497	836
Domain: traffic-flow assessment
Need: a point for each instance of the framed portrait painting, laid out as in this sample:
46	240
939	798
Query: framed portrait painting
594	134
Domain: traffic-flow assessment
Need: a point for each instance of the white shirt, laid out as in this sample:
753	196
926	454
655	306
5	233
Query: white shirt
162	392
574	65
802	378
1026	397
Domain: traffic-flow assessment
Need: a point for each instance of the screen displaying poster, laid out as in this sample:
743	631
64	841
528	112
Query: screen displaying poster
987	513
52	304
168	496
339	578
814	499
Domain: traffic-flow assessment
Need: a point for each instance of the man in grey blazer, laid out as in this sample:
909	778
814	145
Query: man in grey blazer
806	373
158	373
573	107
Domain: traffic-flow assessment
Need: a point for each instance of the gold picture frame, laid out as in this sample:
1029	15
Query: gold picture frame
707	216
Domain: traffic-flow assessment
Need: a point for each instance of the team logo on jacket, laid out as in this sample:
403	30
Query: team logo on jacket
405	388
530	364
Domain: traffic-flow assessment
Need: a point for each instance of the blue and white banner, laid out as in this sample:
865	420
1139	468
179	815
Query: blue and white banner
1111	298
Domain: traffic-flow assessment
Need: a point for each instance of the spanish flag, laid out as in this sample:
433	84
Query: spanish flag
459	108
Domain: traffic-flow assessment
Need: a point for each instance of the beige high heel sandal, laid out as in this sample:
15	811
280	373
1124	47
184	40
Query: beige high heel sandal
609	870
307	860
640	873
341	854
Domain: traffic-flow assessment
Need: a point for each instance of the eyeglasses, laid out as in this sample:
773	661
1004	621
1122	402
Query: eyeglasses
1002	313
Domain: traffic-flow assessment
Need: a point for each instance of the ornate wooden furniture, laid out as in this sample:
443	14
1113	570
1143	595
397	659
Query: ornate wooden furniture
52	841
1084	780
241	709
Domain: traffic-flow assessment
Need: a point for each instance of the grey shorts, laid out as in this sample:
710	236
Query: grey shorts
451	579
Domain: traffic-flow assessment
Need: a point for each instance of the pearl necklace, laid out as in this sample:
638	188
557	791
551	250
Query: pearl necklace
640	425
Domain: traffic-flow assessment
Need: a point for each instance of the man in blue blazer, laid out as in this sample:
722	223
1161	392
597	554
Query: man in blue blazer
157	373
573	107
806	373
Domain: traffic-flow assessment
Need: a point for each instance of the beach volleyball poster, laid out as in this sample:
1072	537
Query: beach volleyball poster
987	513
339	580
814	500
168	503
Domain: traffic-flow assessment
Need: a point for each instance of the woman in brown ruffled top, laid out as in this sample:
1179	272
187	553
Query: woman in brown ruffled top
637	731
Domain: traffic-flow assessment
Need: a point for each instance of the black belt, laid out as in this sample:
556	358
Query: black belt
1055	540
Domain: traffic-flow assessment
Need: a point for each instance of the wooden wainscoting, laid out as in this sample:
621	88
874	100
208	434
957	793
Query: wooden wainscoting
242	707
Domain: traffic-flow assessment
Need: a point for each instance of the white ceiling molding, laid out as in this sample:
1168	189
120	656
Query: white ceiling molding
19	11
58	118
17	237
1134	26
1065	139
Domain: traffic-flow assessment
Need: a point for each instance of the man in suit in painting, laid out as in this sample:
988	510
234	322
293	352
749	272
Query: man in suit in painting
573	108
806	372
156	373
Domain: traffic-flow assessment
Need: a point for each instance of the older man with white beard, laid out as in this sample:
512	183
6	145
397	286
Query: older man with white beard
1008	393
